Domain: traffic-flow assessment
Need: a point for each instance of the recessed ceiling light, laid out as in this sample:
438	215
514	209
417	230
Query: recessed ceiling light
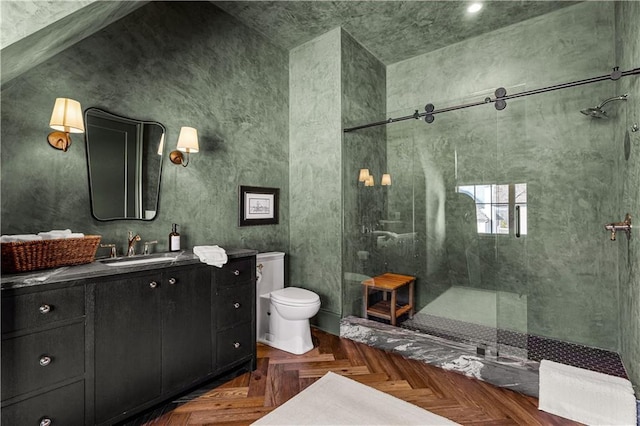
474	7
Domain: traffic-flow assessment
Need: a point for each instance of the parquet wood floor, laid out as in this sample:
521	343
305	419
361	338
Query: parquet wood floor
281	375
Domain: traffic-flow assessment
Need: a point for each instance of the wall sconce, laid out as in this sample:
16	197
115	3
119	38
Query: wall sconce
369	181
386	180
364	174
187	142
66	118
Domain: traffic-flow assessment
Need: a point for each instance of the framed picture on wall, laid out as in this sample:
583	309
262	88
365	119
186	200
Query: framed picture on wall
258	206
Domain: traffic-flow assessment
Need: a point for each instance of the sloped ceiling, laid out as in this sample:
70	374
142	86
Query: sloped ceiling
34	30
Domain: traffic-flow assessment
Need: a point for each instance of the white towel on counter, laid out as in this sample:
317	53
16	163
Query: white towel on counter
211	255
21	237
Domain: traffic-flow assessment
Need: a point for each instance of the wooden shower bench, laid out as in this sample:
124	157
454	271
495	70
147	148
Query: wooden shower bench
389	284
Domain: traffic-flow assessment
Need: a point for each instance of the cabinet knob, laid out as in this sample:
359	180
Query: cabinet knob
236	272
172	280
153	284
236	305
45	360
45	421
236	345
44	308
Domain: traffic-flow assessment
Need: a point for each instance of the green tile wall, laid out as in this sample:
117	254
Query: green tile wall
565	268
363	99
315	156
628	57
179	63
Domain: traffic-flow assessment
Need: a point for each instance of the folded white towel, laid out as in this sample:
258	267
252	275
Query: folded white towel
22	237
211	255
75	235
56	234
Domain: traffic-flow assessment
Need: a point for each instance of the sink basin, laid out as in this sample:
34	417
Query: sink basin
126	261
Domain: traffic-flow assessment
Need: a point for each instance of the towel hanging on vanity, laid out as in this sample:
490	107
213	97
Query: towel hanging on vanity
211	255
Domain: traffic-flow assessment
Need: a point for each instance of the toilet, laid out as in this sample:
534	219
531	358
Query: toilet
282	313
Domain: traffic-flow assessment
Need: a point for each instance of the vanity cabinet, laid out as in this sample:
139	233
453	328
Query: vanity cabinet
152	337
102	349
234	305
43	356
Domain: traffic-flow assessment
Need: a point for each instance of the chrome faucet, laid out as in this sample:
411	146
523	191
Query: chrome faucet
620	226
131	248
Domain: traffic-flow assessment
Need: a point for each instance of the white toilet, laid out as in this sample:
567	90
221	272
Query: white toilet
282	313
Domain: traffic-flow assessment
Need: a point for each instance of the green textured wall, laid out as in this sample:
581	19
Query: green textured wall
179	63
628	56
315	156
565	267
363	99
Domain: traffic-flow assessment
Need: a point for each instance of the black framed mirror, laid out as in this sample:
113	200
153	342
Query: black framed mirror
124	159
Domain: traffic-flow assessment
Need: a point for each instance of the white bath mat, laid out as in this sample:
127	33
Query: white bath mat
586	396
337	400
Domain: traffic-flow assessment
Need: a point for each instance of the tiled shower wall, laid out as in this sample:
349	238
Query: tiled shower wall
628	56
565	267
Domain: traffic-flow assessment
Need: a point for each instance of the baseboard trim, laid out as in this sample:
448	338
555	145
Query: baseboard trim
327	321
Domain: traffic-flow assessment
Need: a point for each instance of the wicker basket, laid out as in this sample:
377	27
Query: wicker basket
42	254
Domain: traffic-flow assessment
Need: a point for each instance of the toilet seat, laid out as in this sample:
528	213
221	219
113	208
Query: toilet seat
294	296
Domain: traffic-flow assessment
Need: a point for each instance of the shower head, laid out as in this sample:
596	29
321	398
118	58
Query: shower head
598	112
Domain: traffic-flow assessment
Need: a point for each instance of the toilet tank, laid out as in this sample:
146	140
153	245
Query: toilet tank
271	274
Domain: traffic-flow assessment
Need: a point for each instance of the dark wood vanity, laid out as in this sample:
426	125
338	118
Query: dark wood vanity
99	348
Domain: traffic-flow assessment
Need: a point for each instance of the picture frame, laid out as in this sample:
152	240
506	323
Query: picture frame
258	205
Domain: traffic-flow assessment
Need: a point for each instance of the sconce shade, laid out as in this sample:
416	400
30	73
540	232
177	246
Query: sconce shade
364	174
386	179
67	116
188	140
161	145
369	181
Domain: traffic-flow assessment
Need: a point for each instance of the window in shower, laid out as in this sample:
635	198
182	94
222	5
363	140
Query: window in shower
500	209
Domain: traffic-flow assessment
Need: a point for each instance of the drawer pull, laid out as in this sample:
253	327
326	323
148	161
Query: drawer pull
44	308
236	345
236	272
172	280
236	305
45	421
153	284
45	360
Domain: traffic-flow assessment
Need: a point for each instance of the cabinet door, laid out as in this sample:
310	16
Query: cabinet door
186	326
127	344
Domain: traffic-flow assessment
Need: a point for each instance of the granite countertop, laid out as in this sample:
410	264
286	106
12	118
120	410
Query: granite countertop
98	269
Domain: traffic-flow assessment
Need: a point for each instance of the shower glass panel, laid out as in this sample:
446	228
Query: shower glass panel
498	214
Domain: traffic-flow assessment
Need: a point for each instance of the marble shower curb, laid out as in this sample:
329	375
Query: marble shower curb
518	375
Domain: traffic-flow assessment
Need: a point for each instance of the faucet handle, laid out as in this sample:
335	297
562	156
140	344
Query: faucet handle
113	252
147	244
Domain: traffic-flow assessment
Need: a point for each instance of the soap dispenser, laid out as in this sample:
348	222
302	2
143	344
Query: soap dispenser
174	238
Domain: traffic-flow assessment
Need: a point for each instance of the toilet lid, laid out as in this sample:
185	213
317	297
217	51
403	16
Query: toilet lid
295	295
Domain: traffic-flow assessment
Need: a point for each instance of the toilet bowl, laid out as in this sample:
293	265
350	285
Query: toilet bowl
289	329
282	313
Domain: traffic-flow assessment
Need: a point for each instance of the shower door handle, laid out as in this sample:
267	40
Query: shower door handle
517	221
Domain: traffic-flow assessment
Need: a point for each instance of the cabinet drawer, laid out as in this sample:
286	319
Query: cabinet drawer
63	406
236	271
37	309
41	359
234	305
234	344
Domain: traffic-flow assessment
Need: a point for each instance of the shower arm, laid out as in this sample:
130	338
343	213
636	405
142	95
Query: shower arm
620	226
615	98
500	99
